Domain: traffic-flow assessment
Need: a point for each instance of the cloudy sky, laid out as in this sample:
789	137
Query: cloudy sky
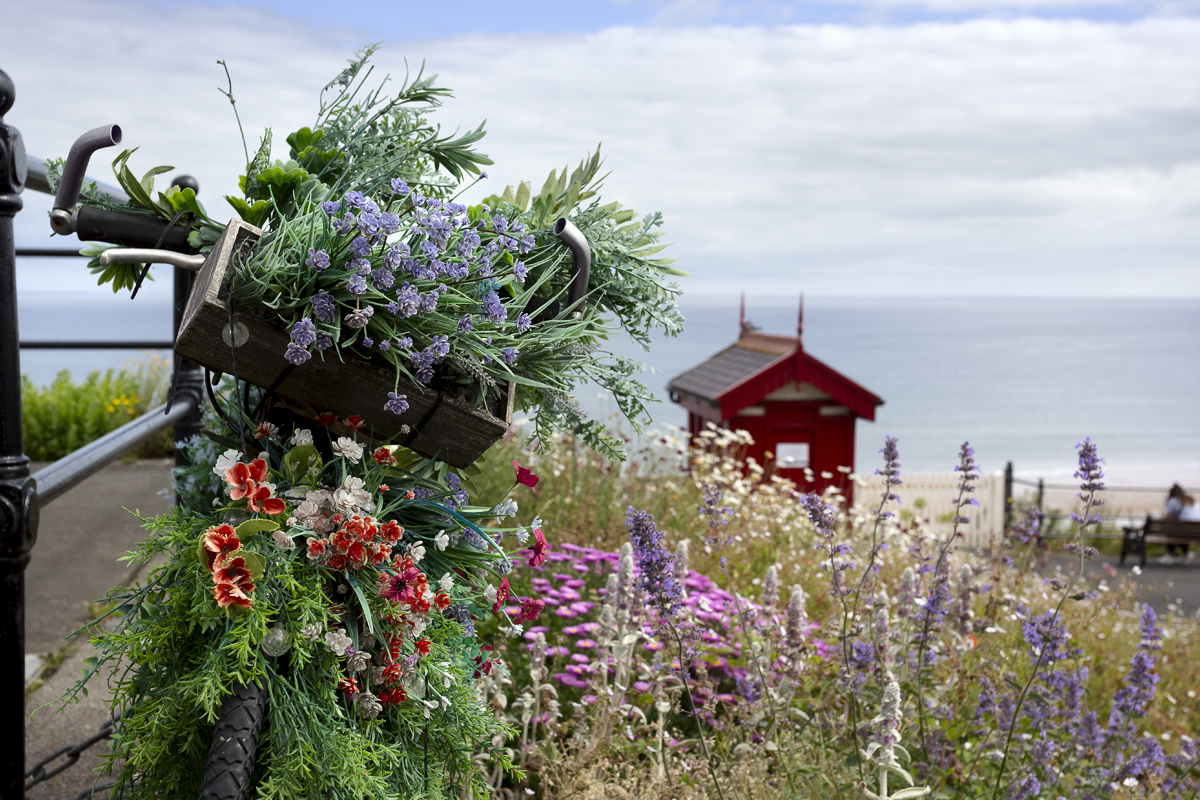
873	147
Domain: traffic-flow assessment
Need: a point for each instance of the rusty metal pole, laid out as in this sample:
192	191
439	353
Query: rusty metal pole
18	491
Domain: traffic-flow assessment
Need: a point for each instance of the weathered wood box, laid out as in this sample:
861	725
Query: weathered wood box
448	426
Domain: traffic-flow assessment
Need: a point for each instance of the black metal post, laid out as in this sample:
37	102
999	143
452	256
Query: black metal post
1041	492
18	491
1008	496
189	376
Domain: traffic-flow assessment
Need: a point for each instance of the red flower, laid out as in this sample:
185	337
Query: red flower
539	548
348	685
229	594
326	418
383	487
399	696
392	531
392	674
316	548
502	594
218	543
262	502
525	476
355	422
530	608
383	456
234	571
441	600
422	646
409	495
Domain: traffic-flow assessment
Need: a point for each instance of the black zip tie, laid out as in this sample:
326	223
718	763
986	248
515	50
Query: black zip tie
161	238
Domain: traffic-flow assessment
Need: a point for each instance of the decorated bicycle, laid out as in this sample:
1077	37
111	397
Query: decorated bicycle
310	631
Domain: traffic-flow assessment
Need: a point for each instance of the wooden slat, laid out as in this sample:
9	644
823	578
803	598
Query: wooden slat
450	428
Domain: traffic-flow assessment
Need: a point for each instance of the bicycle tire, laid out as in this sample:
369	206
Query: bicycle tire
234	741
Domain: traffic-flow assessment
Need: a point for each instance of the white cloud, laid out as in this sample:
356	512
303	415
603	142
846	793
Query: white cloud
995	157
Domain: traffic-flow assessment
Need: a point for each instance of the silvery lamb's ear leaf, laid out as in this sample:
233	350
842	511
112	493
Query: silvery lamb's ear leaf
908	794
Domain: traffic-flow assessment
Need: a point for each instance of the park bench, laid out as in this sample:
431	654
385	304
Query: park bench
1158	531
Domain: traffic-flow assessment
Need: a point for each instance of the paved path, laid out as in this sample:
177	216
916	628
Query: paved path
80	537
1159	584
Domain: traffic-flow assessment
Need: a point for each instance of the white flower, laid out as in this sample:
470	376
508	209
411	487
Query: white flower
282	540
490	593
338	641
416	553
352	494
368	704
537	523
445	582
225	461
301	436
441	541
418	625
516	630
522	535
311	631
348	449
506	509
1137	570
307	510
1130	782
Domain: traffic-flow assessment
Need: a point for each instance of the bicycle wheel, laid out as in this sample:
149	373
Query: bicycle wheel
231	756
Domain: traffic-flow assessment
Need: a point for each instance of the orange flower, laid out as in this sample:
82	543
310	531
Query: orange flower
219	542
392	674
233	570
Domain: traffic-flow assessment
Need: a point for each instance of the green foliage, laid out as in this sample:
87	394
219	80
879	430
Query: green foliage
66	415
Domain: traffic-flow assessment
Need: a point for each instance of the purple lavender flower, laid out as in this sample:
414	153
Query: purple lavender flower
523	322
368	342
429	301
360	247
359	316
520	271
389	223
383	279
656	565
317	259
407	302
455	484
346	224
439	348
355	199
304	332
357	285
527	244
465	324
399	187
324	340
499	224
322	305
385	345
396	403
509	355
493	309
395	255
1091	481
296	354
331	208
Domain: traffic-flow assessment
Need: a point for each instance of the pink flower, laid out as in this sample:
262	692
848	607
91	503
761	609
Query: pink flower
530	608
502	594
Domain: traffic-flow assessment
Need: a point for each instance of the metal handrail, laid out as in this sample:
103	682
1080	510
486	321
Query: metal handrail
70	470
97	344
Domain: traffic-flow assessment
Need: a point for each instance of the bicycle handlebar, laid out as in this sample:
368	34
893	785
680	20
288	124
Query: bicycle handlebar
61	218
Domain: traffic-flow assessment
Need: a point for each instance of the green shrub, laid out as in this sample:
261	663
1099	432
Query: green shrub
66	415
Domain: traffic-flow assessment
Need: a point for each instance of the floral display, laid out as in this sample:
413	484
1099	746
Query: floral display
350	590
368	251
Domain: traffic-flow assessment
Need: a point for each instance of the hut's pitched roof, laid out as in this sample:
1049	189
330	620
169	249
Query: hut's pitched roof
757	364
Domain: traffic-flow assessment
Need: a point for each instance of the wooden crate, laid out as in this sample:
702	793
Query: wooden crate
449	427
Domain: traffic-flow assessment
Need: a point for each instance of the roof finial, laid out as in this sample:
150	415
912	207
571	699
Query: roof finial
742	318
800	325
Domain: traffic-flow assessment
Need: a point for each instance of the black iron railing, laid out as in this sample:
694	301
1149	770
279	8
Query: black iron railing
21	494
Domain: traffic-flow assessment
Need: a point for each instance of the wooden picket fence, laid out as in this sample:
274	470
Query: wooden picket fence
933	496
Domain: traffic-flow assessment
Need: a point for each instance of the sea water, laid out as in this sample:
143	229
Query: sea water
1024	380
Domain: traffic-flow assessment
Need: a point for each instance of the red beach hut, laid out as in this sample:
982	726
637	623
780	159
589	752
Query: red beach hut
797	408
